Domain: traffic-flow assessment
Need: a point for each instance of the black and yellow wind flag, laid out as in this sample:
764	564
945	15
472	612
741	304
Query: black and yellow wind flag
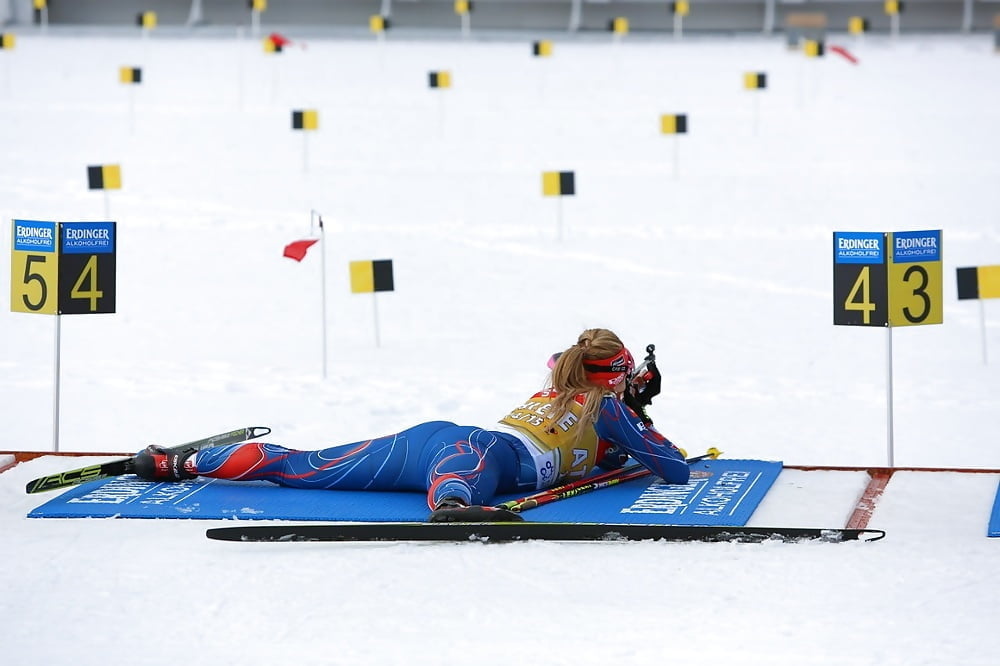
680	8
7	40
542	48
893	7
130	74
978	282
755	80
439	79
857	25
104	177
371	276
814	48
558	183
674	123
307	119
146	20
378	24
618	25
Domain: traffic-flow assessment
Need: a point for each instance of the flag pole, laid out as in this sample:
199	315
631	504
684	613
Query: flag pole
378	340
982	328
55	395
322	285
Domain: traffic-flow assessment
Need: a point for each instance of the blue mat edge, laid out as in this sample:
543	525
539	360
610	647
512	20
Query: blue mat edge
993	529
774	467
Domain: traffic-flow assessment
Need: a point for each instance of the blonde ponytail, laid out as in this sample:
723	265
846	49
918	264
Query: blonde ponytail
569	379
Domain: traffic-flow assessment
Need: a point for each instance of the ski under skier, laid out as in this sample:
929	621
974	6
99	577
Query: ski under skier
591	416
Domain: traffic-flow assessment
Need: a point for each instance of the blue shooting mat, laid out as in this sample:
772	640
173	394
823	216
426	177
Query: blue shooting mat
720	492
994	528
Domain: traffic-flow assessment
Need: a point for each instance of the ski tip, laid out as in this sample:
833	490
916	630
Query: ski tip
870	534
257	431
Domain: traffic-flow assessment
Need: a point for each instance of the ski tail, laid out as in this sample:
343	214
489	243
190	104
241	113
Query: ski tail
528	531
127	465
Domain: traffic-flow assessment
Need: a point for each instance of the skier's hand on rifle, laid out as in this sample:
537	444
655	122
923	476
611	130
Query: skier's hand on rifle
629	399
645	386
641	390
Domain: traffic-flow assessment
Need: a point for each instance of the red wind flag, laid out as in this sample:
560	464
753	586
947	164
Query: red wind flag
297	249
279	40
844	52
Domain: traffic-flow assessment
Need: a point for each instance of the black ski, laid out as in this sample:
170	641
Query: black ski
506	532
127	465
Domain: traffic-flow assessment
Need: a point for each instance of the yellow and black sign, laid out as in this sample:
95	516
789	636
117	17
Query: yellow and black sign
893	7
257	5
680	8
7	40
755	80
558	183
305	120
915	280
618	25
62	267
978	282
857	25
146	20
104	177
813	48
440	79
130	74
463	7
370	276
542	48
378	24
887	279
674	123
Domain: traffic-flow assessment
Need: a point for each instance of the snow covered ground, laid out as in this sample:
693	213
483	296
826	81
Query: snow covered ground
716	249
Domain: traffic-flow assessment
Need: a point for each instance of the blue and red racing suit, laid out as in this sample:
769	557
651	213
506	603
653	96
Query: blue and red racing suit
525	451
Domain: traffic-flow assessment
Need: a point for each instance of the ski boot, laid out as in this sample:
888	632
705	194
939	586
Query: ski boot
454	510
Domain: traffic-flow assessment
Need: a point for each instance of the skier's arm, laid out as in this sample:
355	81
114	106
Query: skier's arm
617	423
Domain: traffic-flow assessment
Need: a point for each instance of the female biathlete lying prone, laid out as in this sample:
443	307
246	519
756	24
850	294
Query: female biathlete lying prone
592	415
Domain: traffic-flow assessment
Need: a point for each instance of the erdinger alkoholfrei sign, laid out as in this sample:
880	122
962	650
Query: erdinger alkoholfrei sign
887	279
62	267
59	268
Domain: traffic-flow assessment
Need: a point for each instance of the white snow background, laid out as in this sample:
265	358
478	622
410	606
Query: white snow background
725	264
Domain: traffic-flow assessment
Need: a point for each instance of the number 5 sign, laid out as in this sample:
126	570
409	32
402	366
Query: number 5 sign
887	279
62	267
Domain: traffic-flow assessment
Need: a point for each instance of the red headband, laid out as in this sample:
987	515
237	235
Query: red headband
609	371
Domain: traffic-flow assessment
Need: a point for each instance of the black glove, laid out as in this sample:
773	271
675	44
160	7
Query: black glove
645	386
630	399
